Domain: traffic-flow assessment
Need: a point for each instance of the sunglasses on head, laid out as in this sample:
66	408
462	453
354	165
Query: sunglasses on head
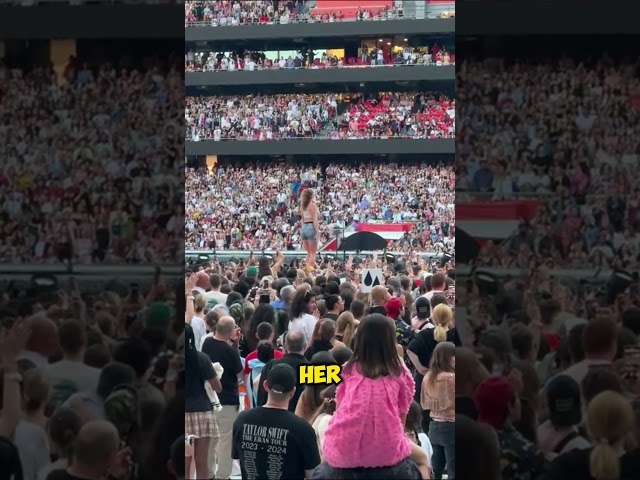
308	295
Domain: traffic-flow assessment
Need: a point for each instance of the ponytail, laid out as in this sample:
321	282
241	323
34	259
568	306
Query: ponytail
604	463
440	333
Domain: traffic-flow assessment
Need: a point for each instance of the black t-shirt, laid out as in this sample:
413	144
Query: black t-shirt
229	358
195	396
294	360
380	310
273	443
424	344
62	475
575	464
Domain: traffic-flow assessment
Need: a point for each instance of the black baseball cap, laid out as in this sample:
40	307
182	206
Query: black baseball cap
563	398
423	308
281	378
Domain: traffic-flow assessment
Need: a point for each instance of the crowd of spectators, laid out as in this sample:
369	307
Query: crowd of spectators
90	169
256	207
549	378
92	384
218	13
241	12
562	133
335	116
257	60
255	322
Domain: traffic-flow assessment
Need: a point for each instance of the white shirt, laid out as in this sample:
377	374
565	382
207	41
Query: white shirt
33	448
199	330
67	378
220	298
39	361
304	324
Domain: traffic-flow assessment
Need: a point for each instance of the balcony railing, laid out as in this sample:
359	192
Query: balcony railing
316	67
367	137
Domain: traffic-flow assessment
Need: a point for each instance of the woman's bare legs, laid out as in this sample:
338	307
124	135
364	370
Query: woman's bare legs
305	247
312	249
201	457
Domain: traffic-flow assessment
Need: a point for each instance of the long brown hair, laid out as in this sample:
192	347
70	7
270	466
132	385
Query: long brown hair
441	361
328	406
325	329
374	348
470	372
305	198
346	325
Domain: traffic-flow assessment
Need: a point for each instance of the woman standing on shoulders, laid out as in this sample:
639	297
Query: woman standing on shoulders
310	228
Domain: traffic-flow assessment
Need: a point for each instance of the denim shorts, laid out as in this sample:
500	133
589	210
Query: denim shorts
308	233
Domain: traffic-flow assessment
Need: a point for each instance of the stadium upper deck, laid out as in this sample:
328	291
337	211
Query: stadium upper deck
421	29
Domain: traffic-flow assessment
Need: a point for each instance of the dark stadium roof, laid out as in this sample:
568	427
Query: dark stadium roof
446	87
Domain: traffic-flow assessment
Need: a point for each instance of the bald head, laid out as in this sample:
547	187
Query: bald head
96	445
226	325
202	280
379	295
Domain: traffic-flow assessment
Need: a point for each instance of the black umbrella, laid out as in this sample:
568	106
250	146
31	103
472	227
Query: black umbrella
466	247
363	241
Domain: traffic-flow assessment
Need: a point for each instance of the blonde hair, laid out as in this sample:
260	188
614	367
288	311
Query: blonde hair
346	325
35	389
442	317
609	419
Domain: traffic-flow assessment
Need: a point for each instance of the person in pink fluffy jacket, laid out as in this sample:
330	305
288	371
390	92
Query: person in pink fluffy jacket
365	438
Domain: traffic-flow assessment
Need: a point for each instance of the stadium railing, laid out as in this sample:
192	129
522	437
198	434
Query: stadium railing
291	254
72	269
591	275
462	196
227	139
325	67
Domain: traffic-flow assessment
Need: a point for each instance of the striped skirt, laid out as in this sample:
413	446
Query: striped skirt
201	424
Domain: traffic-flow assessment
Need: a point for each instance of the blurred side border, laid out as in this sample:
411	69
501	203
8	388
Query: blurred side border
92	21
543	17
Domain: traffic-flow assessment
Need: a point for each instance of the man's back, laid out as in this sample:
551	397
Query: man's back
274	443
294	360
67	378
229	359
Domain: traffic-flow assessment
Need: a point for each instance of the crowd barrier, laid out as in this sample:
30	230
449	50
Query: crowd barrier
291	254
323	137
575	274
